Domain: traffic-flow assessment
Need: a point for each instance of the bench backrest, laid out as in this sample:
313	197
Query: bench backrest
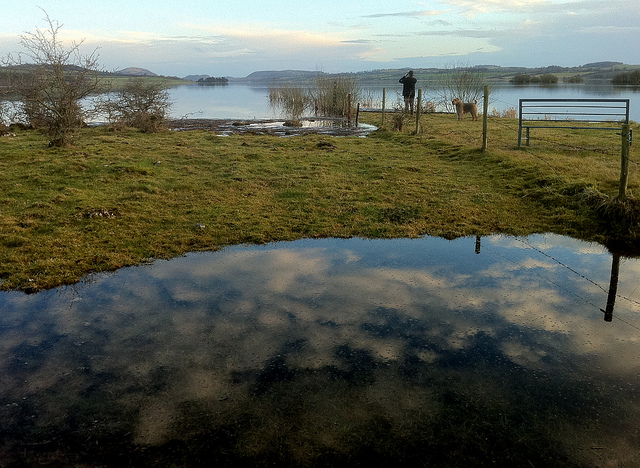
588	114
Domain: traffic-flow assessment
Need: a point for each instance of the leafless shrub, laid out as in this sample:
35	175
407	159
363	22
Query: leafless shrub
368	98
54	82
510	113
399	116
428	107
465	83
140	104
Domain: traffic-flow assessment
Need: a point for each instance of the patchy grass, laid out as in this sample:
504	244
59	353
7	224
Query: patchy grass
119	199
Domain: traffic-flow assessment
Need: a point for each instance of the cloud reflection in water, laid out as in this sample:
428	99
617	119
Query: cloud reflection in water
334	350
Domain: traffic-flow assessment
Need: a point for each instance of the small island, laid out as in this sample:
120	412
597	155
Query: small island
213	81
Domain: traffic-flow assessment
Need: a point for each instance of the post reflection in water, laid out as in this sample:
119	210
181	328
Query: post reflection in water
613	287
421	352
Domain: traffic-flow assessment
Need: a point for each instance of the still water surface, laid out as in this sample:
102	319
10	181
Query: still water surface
239	101
423	352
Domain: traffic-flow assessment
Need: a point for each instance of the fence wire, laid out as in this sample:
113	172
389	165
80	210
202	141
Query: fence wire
499	142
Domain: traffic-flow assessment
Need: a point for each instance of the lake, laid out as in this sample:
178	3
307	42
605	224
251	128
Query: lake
240	101
494	351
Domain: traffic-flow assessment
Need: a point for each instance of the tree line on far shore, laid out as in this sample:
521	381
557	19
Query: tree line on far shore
627	78
623	78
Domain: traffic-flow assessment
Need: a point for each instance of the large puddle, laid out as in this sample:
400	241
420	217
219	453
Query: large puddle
497	351
282	128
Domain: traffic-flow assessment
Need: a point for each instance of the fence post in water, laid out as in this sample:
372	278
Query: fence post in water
484	118
349	96
384	101
624	167
418	107
357	113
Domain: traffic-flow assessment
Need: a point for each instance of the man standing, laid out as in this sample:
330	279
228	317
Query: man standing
408	90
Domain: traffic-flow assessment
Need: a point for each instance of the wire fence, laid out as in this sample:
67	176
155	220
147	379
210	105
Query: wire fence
503	134
503	131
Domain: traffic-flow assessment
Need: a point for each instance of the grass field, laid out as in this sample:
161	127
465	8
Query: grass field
116	83
119	199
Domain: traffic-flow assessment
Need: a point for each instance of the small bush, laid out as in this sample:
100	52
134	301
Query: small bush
573	79
428	107
54	85
548	78
399	117
510	113
140	104
521	79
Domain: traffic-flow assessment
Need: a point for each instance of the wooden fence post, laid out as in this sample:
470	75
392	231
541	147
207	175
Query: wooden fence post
484	118
384	102
624	166
418	107
349	97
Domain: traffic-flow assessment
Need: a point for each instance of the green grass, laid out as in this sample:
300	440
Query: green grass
116	83
119	199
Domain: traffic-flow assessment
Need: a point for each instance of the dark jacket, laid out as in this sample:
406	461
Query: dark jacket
408	85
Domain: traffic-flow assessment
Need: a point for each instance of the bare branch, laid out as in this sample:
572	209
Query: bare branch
51	80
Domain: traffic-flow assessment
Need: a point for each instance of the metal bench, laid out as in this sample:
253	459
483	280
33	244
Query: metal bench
571	114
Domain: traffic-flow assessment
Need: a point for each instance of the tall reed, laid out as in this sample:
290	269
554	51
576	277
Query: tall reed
331	95
328	97
293	100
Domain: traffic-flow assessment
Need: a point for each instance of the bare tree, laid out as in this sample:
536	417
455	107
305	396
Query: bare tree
465	83
53	83
140	104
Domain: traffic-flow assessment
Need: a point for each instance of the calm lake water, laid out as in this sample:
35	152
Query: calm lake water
239	101
498	351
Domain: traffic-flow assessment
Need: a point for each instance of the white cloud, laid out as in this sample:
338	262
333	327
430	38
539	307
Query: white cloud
408	14
611	30
488	6
237	42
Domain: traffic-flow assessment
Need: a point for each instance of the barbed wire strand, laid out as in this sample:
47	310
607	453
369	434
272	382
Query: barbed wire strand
585	300
528	244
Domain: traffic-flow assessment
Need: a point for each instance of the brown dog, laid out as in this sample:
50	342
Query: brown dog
466	108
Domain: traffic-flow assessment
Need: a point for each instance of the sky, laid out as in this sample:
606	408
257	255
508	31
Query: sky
234	39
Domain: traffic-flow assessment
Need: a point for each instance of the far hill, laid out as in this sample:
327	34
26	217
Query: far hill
601	64
492	73
283	75
135	71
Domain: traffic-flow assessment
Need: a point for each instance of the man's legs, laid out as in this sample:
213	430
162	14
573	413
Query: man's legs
408	104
